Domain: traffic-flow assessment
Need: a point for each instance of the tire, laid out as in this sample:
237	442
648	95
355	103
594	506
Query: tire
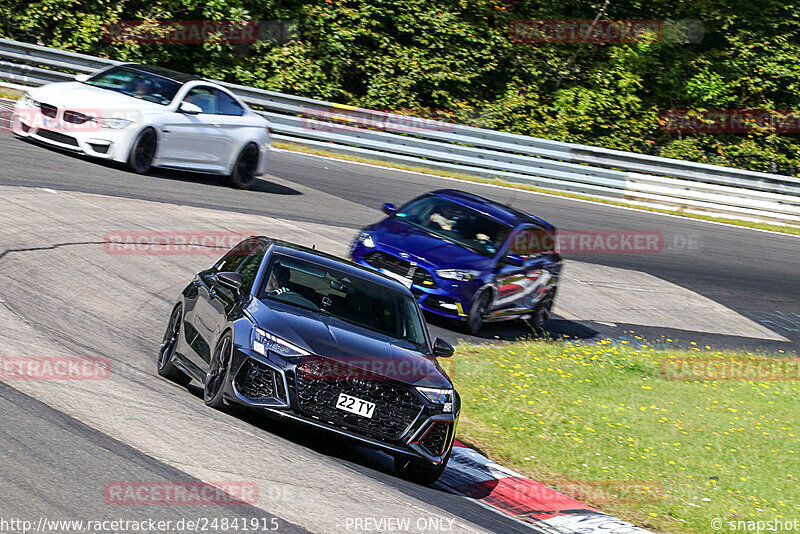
477	312
541	315
217	376
243	175
166	368
143	151
419	471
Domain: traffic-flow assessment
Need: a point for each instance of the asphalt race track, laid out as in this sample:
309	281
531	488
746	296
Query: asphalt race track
64	294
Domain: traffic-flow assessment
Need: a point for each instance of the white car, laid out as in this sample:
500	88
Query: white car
148	116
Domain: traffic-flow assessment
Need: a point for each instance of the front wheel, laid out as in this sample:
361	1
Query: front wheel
166	368
244	171
218	372
477	312
143	152
419	471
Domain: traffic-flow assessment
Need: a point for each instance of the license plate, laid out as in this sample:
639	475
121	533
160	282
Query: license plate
355	405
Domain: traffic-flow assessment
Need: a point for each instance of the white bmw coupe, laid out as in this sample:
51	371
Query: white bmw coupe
148	116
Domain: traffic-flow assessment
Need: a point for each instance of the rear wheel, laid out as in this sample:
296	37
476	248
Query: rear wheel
244	171
166	368
143	152
478	311
218	372
419	471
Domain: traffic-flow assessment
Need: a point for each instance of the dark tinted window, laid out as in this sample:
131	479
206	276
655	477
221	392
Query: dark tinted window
230	262
135	83
249	267
229	106
457	223
205	98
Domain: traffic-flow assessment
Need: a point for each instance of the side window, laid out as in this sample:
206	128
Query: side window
205	98
249	267
230	262
228	105
531	241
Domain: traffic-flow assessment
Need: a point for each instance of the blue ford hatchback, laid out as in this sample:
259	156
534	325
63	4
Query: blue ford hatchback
466	257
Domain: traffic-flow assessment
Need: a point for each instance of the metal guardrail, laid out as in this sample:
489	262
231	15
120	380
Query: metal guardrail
599	172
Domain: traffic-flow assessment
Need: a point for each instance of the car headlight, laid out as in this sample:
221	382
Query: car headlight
462	275
113	124
27	100
439	396
366	239
263	342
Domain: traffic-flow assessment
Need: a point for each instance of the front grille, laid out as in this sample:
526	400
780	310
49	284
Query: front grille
57	137
48	110
435	439
396	407
75	117
259	382
388	262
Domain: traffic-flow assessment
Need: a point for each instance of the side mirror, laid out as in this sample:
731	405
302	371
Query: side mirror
389	209
233	281
82	77
515	260
189	108
442	349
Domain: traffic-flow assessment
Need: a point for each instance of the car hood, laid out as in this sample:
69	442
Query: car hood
350	345
87	99
425	248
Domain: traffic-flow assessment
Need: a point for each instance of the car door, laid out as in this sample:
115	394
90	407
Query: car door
195	141
201	318
233	125
519	287
225	300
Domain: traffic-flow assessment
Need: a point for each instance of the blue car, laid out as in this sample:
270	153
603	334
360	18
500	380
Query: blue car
467	258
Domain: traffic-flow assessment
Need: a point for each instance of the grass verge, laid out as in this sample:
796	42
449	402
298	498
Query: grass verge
503	183
604	423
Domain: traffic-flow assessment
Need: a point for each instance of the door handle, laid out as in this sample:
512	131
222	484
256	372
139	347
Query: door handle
165	130
217	125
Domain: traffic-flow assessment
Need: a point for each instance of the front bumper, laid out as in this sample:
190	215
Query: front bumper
429	435
103	143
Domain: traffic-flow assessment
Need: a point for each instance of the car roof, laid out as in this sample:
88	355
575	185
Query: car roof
334	262
170	74
501	212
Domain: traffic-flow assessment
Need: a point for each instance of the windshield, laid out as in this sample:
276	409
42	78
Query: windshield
137	84
454	222
352	299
